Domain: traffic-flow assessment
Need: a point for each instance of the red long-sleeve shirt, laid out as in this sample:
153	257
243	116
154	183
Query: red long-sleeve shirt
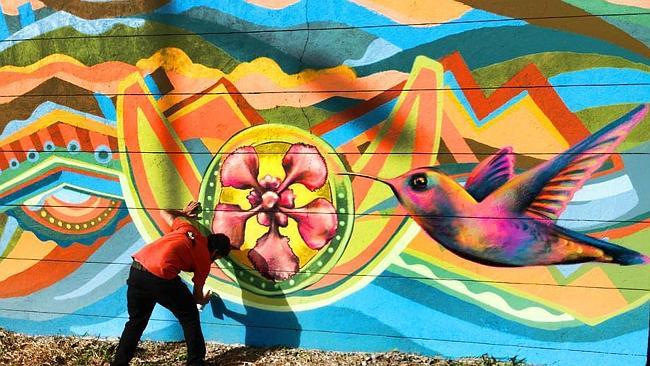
174	252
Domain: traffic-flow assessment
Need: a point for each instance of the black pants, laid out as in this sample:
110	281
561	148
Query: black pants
144	291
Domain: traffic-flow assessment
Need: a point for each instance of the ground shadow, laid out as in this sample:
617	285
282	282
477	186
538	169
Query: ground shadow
241	355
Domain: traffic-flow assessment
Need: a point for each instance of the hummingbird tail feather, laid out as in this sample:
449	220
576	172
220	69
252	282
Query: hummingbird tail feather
628	259
617	253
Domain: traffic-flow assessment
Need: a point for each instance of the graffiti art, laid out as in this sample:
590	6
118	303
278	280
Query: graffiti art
455	180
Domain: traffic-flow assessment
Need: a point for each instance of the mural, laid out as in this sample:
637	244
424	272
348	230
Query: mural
454	181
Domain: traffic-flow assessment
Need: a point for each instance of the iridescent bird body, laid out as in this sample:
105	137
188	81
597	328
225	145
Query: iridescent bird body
487	234
502	219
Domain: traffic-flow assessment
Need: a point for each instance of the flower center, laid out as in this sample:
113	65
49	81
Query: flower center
270	199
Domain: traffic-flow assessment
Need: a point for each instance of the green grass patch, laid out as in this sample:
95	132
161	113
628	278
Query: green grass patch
550	64
121	43
597	118
304	118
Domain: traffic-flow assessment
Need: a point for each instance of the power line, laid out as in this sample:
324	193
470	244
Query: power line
309	28
381	275
329	331
356	214
189	152
334	91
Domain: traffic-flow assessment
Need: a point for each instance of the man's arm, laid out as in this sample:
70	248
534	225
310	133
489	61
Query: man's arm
190	211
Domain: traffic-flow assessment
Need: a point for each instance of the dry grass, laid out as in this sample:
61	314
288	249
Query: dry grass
17	350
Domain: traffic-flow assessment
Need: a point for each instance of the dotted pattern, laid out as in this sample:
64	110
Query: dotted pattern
102	153
78	227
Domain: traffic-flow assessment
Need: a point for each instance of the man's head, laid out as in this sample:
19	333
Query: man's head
218	245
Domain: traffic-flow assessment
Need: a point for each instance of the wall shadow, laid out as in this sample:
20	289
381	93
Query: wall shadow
263	329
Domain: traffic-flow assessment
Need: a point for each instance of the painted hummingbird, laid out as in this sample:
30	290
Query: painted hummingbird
500	219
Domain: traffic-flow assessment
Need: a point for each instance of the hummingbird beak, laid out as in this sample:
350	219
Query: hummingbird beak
365	176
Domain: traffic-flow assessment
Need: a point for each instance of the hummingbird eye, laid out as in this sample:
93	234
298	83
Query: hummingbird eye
419	182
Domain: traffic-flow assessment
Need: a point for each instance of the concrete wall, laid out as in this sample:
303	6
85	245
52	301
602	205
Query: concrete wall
112	110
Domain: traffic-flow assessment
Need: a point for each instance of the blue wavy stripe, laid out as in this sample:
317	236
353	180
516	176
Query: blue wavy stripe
343	11
376	51
350	130
580	98
86	183
62	19
434	314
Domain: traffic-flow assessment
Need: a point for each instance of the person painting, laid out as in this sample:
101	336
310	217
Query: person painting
153	279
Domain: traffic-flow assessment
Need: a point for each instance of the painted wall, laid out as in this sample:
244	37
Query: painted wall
110	111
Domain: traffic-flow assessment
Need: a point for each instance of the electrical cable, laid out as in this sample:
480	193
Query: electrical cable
328	331
188	152
333	91
381	214
381	275
334	28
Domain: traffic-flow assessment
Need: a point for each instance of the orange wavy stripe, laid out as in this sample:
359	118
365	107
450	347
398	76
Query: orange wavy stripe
321	88
102	77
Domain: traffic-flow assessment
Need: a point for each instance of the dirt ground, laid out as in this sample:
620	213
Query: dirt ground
17	350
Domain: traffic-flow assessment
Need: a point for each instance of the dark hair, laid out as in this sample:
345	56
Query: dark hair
220	243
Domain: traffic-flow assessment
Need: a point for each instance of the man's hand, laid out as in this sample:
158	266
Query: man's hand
201	297
206	297
192	209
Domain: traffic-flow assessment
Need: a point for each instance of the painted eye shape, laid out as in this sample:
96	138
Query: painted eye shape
419	182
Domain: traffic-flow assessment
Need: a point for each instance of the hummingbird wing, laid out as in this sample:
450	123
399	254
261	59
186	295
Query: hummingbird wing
545	190
491	174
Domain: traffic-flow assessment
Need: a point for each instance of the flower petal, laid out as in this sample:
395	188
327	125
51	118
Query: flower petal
240	168
287	198
264	218
270	183
231	221
254	198
304	164
316	222
281	219
270	199
273	257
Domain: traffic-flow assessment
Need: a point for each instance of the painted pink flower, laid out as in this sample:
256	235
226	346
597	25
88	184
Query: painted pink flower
272	201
